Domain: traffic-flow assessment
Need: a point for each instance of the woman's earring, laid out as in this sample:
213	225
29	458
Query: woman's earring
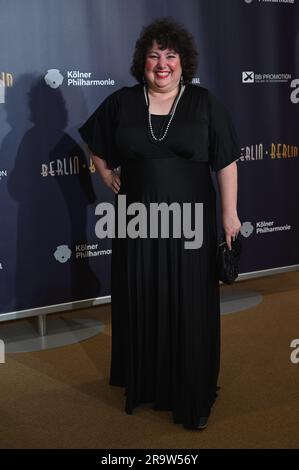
182	80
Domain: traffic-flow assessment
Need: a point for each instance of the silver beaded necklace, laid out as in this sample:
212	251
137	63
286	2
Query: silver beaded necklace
172	113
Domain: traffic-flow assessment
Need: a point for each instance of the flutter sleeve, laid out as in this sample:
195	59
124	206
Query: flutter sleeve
224	146
99	130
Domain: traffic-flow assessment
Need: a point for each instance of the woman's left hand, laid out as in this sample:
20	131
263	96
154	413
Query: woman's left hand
231	226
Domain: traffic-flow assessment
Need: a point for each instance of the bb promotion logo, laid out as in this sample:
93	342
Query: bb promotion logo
250	77
253	77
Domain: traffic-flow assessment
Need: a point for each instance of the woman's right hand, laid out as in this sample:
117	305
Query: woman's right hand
109	177
111	180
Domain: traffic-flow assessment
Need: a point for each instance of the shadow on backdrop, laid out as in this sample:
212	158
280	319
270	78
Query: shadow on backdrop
52	186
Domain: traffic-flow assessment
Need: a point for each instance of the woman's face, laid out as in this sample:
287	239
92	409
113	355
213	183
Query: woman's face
162	70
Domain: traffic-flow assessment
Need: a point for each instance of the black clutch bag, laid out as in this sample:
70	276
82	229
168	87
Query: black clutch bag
228	261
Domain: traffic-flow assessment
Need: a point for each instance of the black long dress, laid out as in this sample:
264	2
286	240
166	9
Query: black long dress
165	298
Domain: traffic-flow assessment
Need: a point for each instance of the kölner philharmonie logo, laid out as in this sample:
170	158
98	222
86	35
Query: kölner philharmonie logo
54	78
262	227
62	253
246	229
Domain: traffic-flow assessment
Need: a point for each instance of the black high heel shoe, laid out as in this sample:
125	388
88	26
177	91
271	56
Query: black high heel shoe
203	420
202	424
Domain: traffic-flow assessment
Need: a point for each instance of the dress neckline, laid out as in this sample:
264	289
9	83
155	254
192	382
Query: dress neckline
165	115
160	115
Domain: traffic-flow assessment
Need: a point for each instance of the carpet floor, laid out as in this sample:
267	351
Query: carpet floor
60	398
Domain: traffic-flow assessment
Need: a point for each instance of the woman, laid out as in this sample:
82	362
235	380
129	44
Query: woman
166	134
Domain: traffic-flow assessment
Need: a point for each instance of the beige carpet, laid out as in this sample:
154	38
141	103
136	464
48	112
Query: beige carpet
60	398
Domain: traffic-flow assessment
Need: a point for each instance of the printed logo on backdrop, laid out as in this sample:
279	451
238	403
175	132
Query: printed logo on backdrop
6	80
63	253
272	151
249	77
3	174
270	1
1	267
196	80
54	78
67	167
253	77
262	227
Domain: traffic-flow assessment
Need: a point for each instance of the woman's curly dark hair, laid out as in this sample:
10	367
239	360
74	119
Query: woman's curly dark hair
168	34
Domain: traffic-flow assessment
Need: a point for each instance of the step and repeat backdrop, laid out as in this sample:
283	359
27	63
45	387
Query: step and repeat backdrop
59	59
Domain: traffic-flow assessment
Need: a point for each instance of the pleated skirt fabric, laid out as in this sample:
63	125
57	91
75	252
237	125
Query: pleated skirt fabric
165	298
